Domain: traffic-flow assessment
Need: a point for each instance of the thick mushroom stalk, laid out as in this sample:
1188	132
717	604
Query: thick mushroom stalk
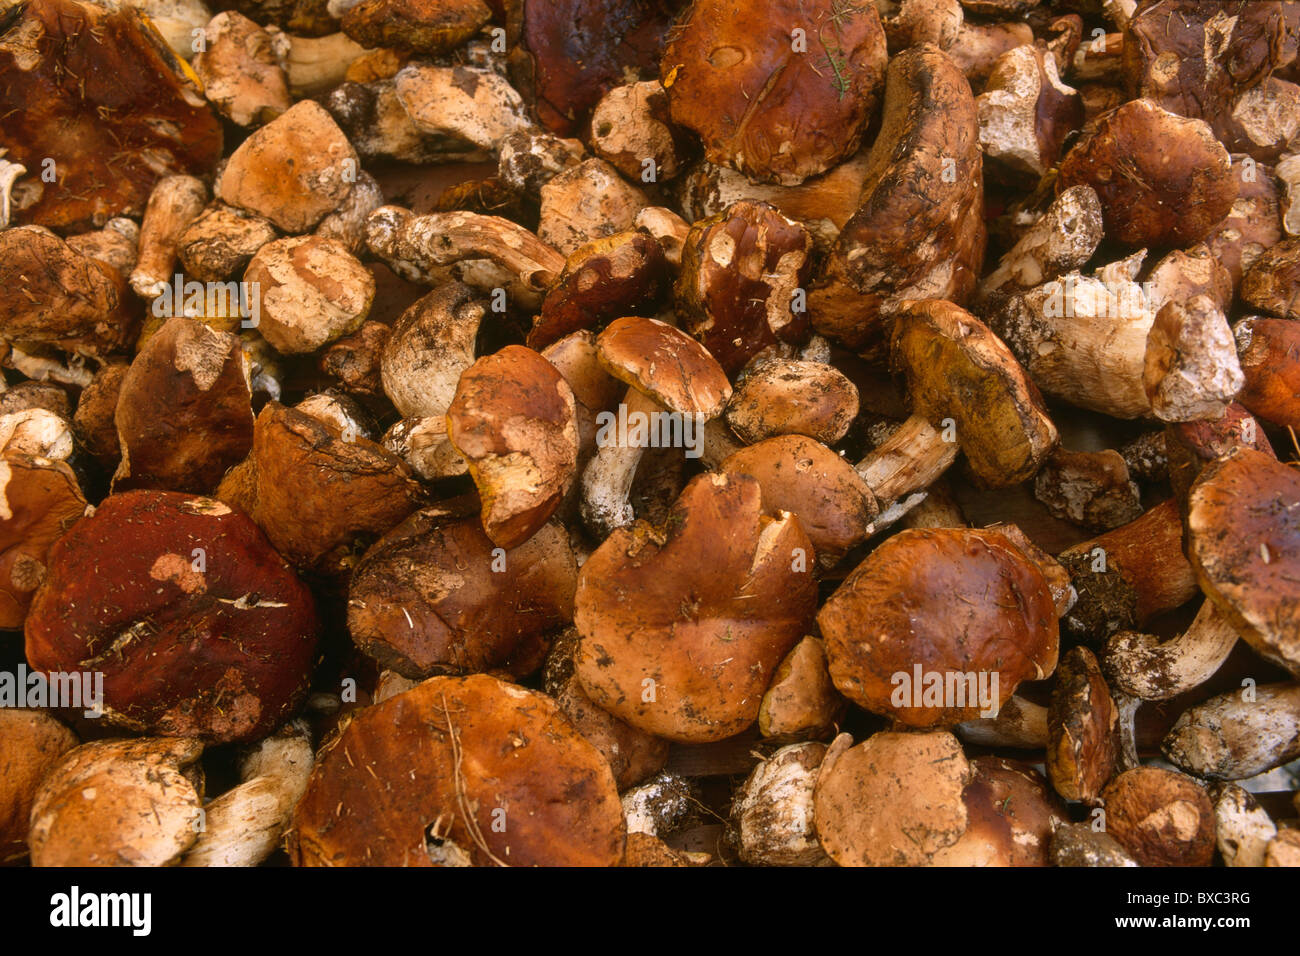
1237	734
1020	723
9	173
174	203
1141	666
1242	828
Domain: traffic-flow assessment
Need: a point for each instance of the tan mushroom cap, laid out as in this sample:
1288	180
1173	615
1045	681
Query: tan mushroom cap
41	500
666	364
957	368
514	420
893	800
793	397
946	601
34	742
1161	817
446	760
682	627
1082	727
1243	540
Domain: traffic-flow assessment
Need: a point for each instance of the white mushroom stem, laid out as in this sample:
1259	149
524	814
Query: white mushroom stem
1063	239
910	460
41	369
1242	828
1141	666
1238	734
36	431
607	479
1020	723
719	442
1126	708
243	826
9	173
174	203
315	64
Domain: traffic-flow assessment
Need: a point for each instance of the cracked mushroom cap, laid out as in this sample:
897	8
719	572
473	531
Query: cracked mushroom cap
39	501
1243	540
666	364
1161	817
957	368
198	626
514	420
423	777
919	629
679	652
765	104
435	596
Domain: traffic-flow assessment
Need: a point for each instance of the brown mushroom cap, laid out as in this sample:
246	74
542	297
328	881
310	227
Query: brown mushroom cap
40	500
946	601
515	422
430	346
797	474
802	702
665	364
687	655
761	104
425	26
956	368
1269	350
893	800
34	743
1082	724
793	397
432	596
1243	539
1161	817
441	763
1272	283
1010	817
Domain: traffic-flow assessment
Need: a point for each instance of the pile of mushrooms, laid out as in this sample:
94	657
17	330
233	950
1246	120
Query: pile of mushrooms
596	432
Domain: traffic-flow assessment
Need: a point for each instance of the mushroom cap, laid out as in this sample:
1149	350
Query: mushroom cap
893	800
432	597
1161	817
425	26
1082	727
946	601
34	743
957	368
198	626
834	505
760	103
430	346
1243	540
801	702
666	364
41	500
1269	350
448	759
685	654
514	420
793	397
1010	817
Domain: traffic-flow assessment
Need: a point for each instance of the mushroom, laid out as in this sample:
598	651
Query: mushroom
1160	817
1238	734
1142	666
1012	815
430	346
1254	223
460	771
356	360
1078	844
176	201
239	70
1025	111
577	358
1082	724
1242	828
469	105
417	25
1270	284
1089	488
1267	349
315	64
37	432
1284	850
940	626
94	422
1190	446
527	159
221	242
674	386
34	743
772	811
801	702
1019	723
119	803
514	420
690	658
41	501
630	130
347	223
793	397
585	202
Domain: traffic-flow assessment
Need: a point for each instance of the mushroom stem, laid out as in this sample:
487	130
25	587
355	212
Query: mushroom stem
1139	665
1242	828
719	443
1020	723
1126	710
9	173
911	459
607	480
175	203
1237	734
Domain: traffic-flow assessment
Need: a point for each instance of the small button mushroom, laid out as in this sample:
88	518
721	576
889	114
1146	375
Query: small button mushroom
807	119
1245	547
118	802
586	202
1269	352
801	702
1078	844
294	171
435	596
620	275
1025	111
690	658
39	501
198	626
310	291
741	273
422	26
1090	488
1272	283
1082	726
514	421
940	626
240	73
1174	198
1160	817
138	116
772	811
1242	828
221	242
631	130
173	205
793	397
320	497
34	743
1237	734
470	769
470	105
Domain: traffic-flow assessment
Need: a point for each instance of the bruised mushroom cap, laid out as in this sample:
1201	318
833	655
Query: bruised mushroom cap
956	367
797	474
1082	727
428	773
34	743
198	626
665	364
1243	540
793	396
945	601
118	803
515	422
435	595
893	800
680	653
1010	815
39	501
1161	817
763	105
